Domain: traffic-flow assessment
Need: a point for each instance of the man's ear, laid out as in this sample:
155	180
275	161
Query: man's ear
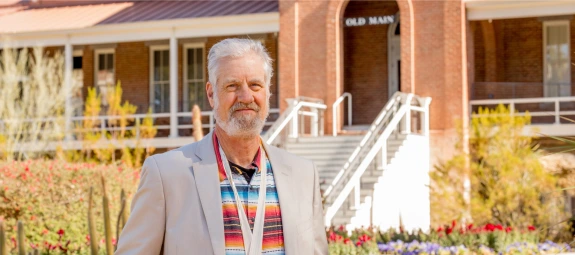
210	93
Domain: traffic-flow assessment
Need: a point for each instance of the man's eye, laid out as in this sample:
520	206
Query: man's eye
257	86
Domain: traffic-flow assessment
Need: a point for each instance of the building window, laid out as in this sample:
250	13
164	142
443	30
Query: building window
194	77
557	60
105	73
160	78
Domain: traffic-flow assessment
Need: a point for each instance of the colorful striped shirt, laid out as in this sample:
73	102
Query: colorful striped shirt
273	240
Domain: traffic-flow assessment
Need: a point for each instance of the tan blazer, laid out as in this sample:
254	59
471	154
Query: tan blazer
178	206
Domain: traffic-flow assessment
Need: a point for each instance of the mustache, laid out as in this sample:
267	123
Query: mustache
242	106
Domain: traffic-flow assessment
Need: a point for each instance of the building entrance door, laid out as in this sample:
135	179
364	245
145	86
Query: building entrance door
394	57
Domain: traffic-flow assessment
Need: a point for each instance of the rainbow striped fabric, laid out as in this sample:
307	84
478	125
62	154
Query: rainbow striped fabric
273	240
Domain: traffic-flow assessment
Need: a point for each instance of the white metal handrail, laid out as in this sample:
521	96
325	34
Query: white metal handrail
397	109
334	108
290	114
556	113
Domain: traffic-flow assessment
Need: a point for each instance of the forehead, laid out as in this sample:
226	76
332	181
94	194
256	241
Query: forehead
249	66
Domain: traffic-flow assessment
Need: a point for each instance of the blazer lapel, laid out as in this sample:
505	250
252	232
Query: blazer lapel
288	207
208	184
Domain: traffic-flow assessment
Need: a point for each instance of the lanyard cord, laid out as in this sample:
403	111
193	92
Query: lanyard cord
252	241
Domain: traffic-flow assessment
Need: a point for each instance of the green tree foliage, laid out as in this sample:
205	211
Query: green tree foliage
509	186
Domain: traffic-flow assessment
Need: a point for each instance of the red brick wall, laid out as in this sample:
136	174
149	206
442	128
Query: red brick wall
133	71
519	54
366	60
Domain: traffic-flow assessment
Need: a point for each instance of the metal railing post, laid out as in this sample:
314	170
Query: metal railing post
139	125
407	120
294	126
321	122
335	107
557	114
314	122
103	128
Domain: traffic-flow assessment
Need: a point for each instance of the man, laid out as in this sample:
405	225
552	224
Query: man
187	204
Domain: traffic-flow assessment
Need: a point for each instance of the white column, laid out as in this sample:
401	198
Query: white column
173	85
68	60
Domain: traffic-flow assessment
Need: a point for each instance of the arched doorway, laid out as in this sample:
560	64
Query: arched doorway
371	57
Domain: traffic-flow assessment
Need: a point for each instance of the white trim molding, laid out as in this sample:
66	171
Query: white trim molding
497	9
152	30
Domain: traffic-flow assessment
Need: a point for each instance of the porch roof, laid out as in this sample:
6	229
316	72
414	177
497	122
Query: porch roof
59	22
25	17
510	9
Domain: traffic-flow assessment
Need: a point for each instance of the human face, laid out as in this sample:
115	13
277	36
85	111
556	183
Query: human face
240	98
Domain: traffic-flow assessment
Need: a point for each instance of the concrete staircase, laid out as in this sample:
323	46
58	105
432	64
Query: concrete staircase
331	153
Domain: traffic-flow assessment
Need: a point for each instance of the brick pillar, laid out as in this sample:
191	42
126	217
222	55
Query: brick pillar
440	55
287	52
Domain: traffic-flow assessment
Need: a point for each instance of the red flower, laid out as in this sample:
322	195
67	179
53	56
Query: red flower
531	228
448	231
61	232
332	236
453	223
346	241
364	238
358	243
469	227
489	227
439	229
499	227
341	228
508	229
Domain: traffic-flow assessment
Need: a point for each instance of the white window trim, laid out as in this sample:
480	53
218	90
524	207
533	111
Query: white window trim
546	24
151	77
187	46
96	62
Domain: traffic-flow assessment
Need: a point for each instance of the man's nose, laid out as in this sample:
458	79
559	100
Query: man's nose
245	94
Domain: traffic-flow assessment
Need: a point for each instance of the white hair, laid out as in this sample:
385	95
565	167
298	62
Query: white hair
236	47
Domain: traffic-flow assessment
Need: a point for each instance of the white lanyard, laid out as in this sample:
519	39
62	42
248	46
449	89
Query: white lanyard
252	242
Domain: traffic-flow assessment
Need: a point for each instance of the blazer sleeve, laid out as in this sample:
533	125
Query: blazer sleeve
144	231
320	239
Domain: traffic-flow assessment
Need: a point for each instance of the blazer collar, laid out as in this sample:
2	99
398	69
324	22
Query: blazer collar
208	185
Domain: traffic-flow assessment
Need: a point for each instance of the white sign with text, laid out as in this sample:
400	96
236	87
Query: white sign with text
375	20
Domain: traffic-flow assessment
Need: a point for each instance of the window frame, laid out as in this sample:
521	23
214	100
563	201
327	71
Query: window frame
547	24
185	80
97	53
154	48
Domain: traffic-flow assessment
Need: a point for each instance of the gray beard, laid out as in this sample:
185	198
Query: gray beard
242	126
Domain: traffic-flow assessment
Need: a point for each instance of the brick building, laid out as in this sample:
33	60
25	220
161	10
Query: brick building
384	54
